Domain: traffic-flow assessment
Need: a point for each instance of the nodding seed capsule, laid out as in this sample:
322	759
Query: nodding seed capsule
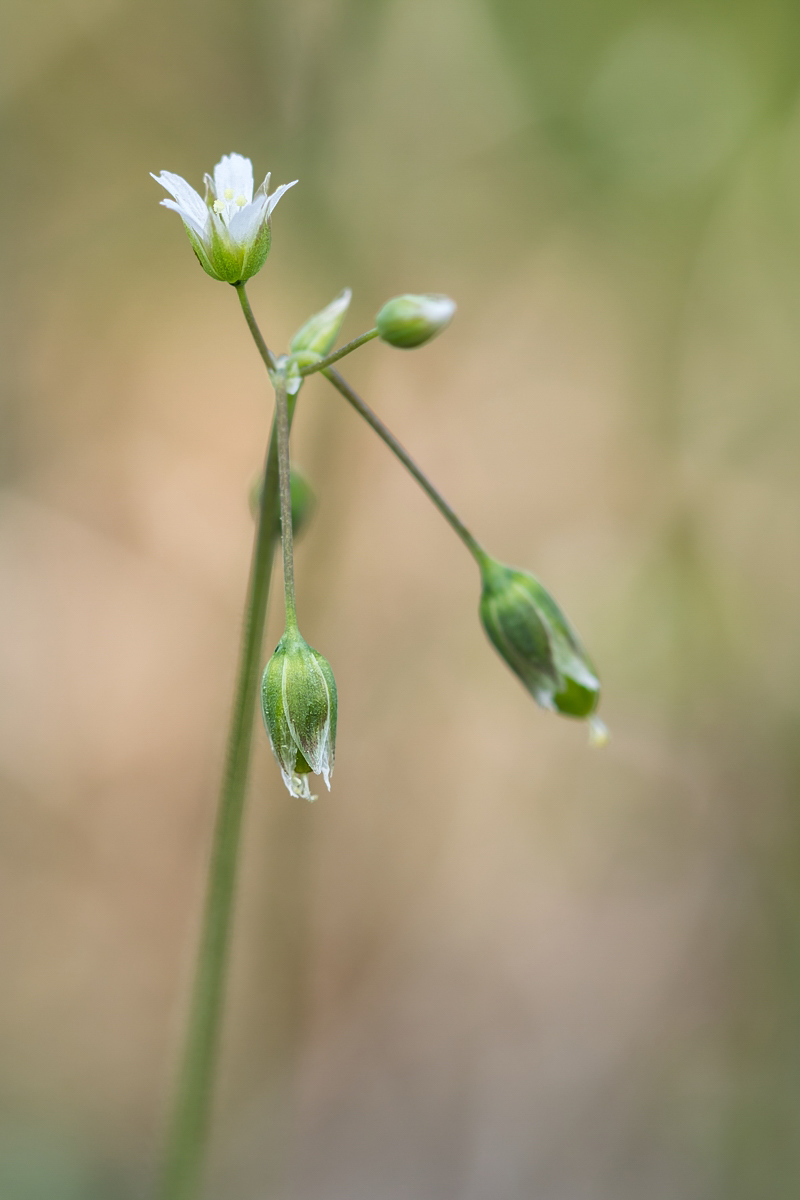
529	630
299	705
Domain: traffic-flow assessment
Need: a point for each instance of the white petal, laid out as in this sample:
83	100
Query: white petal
246	222
263	188
200	230
220	227
276	195
297	785
188	199
235	173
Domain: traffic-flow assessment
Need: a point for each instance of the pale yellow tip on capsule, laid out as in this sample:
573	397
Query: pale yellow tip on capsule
598	733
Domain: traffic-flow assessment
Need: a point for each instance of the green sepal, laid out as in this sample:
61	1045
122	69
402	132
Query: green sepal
256	255
200	252
225	258
318	335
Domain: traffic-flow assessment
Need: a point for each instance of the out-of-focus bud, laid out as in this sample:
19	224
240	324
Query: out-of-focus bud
303	501
529	630
598	733
408	321
319	334
298	700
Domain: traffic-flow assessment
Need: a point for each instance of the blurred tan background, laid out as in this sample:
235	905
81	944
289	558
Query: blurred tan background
492	963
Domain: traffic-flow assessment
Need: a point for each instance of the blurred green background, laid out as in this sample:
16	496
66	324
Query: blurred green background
492	963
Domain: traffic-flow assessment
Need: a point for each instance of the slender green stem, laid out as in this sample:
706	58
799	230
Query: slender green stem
263	348
190	1122
363	409
186	1146
284	478
337	354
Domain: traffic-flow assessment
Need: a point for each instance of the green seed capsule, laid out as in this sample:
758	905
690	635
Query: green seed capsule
529	630
299	705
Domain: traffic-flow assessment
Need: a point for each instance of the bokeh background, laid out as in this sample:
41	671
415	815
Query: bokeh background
493	962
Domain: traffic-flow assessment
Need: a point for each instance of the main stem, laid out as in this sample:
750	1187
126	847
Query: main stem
284	478
383	432
188	1133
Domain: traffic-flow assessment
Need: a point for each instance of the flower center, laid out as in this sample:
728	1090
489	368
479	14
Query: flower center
228	205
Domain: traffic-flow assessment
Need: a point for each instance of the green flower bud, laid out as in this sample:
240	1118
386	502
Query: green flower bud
303	501
319	334
529	630
298	700
408	321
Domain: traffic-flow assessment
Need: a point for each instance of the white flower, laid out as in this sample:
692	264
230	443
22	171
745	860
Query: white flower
230	229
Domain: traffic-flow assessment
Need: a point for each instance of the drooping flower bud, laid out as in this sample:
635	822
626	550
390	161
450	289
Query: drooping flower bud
303	501
298	701
408	321
529	630
319	334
